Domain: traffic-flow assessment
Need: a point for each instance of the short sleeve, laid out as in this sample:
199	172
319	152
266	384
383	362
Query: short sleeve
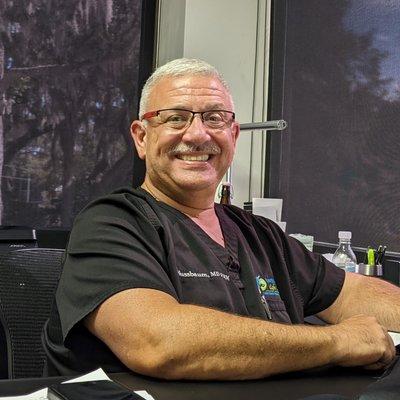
318	280
113	247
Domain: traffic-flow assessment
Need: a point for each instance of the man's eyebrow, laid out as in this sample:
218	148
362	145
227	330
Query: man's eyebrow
207	107
217	106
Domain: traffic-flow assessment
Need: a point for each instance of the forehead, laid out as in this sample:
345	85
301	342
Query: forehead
192	92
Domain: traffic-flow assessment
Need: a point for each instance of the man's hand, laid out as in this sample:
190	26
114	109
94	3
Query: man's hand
362	341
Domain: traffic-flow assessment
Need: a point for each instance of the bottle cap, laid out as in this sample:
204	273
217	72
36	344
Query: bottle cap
344	235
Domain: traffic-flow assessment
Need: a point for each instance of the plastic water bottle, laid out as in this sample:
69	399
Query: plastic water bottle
344	256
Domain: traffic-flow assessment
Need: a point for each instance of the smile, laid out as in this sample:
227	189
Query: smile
186	157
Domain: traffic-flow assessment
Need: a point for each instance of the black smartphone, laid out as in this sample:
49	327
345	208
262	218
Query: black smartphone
94	390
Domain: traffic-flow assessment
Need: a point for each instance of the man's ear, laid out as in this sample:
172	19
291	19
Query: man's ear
139	135
235	128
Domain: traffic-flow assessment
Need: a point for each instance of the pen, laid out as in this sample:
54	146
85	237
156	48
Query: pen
378	254
264	302
381	255
366	256
371	257
266	307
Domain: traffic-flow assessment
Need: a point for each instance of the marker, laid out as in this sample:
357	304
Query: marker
371	257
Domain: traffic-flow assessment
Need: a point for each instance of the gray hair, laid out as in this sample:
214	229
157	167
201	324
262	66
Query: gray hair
179	67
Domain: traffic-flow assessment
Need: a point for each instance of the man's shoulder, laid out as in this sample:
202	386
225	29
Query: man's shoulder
126	194
123	203
118	198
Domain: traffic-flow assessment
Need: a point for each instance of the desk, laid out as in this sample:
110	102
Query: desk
347	382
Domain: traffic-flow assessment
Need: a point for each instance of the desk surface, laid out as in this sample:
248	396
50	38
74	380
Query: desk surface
288	387
347	382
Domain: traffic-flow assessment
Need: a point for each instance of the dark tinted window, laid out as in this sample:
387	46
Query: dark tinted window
336	80
70	85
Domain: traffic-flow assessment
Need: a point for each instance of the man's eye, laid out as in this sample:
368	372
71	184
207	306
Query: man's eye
176	118
215	117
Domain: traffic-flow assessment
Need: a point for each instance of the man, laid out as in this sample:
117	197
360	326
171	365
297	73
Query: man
162	281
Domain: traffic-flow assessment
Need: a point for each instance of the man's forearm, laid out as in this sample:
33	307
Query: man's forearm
208	344
384	302
151	333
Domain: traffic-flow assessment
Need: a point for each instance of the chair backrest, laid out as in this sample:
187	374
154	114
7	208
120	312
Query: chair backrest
28	279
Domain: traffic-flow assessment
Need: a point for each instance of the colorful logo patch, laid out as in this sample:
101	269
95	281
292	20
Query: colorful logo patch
267	286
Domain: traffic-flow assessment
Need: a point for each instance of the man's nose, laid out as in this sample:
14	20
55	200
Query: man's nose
196	131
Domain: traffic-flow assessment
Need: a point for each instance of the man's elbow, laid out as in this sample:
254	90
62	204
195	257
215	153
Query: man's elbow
157	362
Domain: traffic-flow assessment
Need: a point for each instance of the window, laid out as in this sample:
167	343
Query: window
336	81
71	75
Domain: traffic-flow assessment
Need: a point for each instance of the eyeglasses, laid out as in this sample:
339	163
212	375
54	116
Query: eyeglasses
181	119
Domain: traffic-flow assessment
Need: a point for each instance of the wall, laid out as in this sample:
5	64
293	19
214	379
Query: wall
232	35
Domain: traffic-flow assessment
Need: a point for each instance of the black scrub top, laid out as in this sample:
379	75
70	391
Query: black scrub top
114	246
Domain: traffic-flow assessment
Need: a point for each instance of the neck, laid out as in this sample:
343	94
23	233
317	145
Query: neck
202	213
193	204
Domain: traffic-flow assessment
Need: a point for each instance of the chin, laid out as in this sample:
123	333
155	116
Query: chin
196	183
184	180
196	186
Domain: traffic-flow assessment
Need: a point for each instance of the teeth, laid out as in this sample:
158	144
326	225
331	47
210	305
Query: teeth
203	157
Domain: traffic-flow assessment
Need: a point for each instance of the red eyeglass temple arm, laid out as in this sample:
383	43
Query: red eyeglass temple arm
149	114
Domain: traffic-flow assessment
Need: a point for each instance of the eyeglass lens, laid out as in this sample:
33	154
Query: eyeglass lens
179	119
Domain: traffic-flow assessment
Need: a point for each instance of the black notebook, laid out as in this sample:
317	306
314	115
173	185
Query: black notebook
94	390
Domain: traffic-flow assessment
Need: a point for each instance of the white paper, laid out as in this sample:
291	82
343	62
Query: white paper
282	225
266	212
258	203
328	256
144	394
307	240
395	337
97	375
38	395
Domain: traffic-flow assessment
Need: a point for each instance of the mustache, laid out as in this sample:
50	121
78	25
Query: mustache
209	148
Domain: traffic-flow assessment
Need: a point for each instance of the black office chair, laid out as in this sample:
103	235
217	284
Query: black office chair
28	279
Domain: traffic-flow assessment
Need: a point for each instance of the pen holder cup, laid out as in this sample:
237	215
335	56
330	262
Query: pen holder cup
370	270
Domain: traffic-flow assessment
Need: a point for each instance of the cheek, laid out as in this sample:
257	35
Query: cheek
227	144
164	143
158	146
152	145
